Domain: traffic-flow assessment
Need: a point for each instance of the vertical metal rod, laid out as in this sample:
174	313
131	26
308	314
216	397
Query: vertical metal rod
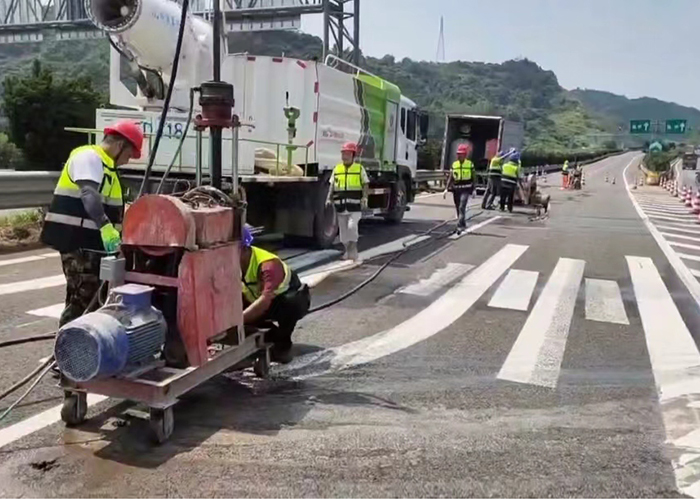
198	158
326	27
234	158
341	31
215	132
217	40
356	39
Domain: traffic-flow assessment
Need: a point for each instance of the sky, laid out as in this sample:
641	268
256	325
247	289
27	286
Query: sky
631	47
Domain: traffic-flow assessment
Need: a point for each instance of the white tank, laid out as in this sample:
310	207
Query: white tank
149	29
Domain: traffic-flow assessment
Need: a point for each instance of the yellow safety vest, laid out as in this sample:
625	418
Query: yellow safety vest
495	166
566	166
347	187
462	172
67	225
510	172
251	285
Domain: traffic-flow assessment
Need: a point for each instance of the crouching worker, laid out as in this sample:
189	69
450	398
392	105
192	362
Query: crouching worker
272	292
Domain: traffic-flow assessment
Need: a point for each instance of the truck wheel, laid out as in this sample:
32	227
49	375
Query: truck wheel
325	227
398	206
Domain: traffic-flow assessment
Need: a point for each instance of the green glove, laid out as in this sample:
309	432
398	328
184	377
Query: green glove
110	238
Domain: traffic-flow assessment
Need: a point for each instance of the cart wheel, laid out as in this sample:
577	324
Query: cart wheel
74	408
261	367
162	424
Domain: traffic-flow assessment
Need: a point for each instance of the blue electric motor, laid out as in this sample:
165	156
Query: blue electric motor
124	334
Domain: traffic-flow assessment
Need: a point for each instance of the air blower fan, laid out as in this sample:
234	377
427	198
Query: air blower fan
127	332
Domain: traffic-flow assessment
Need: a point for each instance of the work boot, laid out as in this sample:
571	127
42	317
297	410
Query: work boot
352	251
280	355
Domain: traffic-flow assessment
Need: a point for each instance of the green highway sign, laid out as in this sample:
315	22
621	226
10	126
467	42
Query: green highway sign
676	126
640	126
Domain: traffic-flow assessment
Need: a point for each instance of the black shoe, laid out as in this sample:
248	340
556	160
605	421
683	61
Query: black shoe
283	356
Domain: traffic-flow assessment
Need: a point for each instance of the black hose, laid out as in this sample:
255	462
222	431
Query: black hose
179	146
45	370
168	96
27	340
25	379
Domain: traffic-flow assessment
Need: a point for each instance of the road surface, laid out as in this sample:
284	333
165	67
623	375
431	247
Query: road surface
529	358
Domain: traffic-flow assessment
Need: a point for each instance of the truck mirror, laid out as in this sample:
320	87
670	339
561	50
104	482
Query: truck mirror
423	124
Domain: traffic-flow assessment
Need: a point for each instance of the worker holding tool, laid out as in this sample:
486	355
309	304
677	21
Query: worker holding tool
84	219
509	180
493	188
461	184
348	192
565	175
272	292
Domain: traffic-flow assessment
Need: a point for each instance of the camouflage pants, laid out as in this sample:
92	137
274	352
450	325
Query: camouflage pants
82	271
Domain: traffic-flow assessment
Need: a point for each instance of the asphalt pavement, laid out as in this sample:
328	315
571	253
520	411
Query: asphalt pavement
531	357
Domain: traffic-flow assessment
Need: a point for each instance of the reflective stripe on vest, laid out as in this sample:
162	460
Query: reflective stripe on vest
462	172
347	186
510	172
251	286
495	166
67	226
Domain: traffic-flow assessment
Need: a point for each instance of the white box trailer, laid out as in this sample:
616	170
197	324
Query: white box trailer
335	107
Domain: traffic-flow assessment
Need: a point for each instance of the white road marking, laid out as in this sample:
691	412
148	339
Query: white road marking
439	279
35	284
28	258
694	272
392	246
681	236
696	229
604	302
683	214
687	256
37	422
473	228
53	311
674	361
670	218
515	291
440	314
536	355
684	245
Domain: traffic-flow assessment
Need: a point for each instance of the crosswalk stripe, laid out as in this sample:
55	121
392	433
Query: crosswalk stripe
666	217
688	256
440	278
679	229
684	211
684	245
662	206
681	236
676	215
29	258
604	302
538	351
674	361
29	285
52	311
694	272
515	290
473	228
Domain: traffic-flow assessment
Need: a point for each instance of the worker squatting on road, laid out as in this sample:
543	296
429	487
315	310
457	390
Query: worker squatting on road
84	219
460	182
510	177
348	192
272	292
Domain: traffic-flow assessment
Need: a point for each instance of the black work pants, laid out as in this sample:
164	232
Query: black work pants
286	310
493	189
507	195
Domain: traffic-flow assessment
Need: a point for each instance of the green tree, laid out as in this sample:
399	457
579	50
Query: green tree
39	106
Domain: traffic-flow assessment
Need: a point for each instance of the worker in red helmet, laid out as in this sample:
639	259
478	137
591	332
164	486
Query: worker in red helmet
348	192
84	220
460	182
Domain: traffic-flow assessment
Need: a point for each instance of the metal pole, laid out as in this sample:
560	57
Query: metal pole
234	158
215	132
341	30
326	27
356	39
198	158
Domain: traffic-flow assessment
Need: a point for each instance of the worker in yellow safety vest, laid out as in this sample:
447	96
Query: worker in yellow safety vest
84	220
272	292
565	175
461	183
510	177
349	189
493	188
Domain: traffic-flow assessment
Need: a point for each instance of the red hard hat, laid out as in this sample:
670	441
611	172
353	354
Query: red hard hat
349	147
130	131
462	149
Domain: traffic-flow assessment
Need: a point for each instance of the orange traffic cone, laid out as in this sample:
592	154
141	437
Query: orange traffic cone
695	204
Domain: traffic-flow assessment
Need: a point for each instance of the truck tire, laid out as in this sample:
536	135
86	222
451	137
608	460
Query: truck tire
398	205
325	227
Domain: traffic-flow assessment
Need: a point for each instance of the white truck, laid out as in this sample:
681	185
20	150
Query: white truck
335	107
484	136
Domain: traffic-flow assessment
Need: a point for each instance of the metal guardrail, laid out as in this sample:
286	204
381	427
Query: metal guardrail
26	189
